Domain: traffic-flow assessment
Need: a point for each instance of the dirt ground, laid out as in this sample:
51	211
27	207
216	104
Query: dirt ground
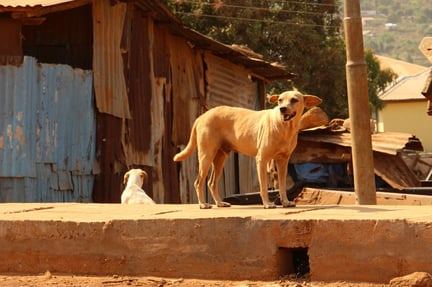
49	279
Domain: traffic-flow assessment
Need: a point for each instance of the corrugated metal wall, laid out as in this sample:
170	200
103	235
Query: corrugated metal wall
47	133
229	84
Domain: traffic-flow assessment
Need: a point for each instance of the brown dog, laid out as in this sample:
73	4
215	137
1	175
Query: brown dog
265	135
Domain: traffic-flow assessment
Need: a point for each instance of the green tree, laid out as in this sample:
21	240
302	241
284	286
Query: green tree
378	80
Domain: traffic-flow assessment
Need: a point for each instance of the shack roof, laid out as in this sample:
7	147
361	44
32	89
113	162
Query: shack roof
385	142
259	68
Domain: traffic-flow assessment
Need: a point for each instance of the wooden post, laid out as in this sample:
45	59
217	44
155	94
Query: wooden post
358	105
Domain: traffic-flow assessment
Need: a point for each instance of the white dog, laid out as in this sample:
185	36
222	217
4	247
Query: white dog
133	193
265	135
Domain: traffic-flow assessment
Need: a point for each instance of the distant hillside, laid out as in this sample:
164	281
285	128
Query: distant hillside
394	28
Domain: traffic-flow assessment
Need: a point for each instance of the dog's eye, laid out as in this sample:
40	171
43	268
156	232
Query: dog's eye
294	100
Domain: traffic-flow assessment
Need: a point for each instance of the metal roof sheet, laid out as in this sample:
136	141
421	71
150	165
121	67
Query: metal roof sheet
407	88
401	68
31	3
385	142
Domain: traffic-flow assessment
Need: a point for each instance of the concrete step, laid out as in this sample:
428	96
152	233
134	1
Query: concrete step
341	242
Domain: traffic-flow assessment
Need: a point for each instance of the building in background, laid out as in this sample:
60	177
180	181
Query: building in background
405	108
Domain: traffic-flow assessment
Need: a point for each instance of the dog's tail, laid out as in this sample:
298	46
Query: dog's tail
190	147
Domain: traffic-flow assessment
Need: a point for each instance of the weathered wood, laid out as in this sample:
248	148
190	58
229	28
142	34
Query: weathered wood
393	170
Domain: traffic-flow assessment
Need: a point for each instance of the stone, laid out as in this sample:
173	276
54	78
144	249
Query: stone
416	279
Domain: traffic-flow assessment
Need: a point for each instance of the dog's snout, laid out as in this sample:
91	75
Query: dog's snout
283	109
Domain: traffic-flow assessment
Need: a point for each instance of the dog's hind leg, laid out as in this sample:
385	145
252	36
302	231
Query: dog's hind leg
204	163
218	164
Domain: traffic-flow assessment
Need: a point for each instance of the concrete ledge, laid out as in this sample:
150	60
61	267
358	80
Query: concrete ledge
351	243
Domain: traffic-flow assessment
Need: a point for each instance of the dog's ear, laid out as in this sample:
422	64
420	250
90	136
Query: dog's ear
272	99
144	176
125	177
311	101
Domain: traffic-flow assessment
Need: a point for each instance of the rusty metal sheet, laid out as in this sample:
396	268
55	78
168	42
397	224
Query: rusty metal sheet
29	12
31	3
109	80
110	166
140	87
187	100
386	142
228	84
47	133
11	37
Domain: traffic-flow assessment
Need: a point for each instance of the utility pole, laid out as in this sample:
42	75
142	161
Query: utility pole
358	105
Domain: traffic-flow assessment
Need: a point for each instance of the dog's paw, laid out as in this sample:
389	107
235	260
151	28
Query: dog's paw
205	206
223	204
269	205
289	204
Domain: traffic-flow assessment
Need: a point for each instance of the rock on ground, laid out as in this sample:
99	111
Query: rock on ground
416	279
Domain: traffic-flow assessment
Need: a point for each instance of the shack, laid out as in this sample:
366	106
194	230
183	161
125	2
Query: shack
91	88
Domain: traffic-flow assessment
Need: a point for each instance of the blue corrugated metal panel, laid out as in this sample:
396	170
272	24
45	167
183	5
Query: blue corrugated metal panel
16	88
47	133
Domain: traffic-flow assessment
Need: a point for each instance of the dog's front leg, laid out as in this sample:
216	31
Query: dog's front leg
282	166
262	177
